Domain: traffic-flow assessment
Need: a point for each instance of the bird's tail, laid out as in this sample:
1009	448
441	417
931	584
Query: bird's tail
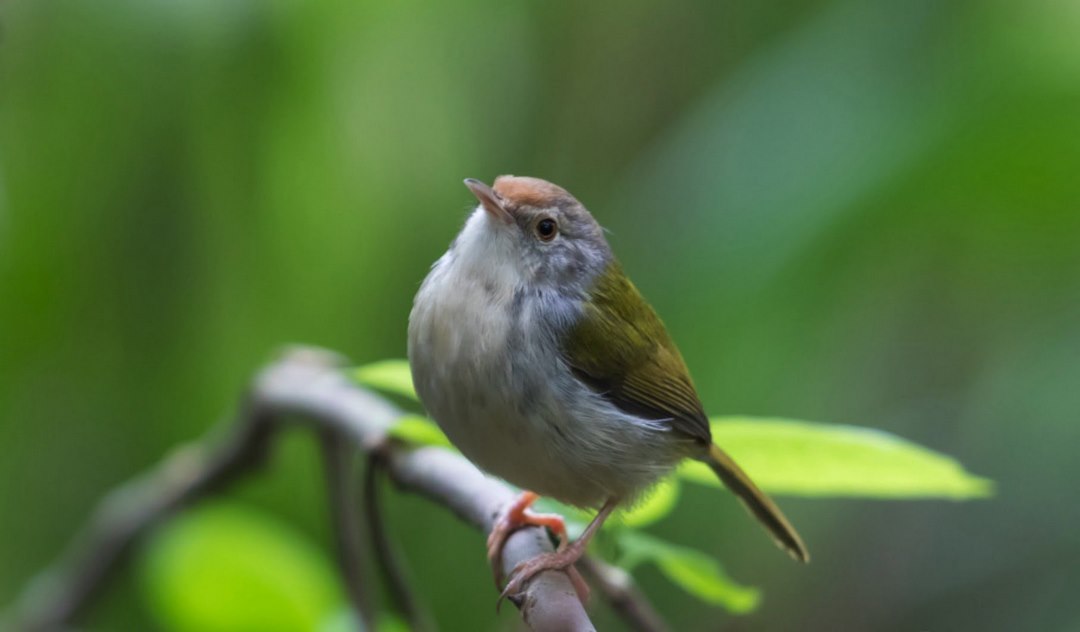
763	508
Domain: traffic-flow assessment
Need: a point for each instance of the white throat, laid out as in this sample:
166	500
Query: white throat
485	252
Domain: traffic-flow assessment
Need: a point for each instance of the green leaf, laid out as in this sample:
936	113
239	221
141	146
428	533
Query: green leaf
659	502
390	622
225	567
392	376
808	459
693	571
344	620
419	430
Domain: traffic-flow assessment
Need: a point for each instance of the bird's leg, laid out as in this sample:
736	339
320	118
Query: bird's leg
515	517
563	559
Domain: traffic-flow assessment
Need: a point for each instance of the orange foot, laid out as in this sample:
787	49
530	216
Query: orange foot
518	516
562	559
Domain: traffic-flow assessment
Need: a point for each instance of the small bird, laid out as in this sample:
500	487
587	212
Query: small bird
545	366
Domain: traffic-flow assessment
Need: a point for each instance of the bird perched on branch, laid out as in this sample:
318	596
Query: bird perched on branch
544	365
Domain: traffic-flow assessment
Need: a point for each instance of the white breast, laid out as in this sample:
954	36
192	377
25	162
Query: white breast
510	405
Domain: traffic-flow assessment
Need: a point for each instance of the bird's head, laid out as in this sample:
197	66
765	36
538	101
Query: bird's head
537	229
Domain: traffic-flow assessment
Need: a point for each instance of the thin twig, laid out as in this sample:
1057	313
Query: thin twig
338	460
306	387
617	587
402	596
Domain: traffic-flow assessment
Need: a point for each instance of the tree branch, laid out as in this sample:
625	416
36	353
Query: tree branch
308	388
338	459
619	590
56	596
401	595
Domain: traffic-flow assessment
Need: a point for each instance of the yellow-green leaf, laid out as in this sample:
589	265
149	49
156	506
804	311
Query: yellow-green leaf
346	621
419	430
224	567
811	459
693	571
392	376
659	502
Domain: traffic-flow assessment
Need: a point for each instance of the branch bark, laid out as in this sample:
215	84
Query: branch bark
305	387
618	589
402	597
348	535
56	596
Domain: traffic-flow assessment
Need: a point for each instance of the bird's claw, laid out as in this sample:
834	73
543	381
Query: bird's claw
525	571
516	517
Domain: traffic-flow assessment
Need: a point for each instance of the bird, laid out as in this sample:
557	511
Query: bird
544	366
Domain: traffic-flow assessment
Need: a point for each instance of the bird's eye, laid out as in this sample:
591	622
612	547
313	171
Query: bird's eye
546	229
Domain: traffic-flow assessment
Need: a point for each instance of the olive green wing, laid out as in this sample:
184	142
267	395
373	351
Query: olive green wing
622	350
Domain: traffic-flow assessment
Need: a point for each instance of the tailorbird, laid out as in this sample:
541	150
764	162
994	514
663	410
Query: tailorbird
544	365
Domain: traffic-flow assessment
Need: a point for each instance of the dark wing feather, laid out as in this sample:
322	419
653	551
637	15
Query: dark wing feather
622	350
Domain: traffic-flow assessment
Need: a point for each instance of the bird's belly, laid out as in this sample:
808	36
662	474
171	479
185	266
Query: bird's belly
513	408
526	452
538	435
497	422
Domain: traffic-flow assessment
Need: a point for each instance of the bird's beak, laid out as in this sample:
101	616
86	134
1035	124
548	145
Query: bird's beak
490	200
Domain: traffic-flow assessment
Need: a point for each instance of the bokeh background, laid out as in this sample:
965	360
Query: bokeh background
856	212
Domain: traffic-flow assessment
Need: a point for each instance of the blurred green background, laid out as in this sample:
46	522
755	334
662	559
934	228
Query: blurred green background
857	212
